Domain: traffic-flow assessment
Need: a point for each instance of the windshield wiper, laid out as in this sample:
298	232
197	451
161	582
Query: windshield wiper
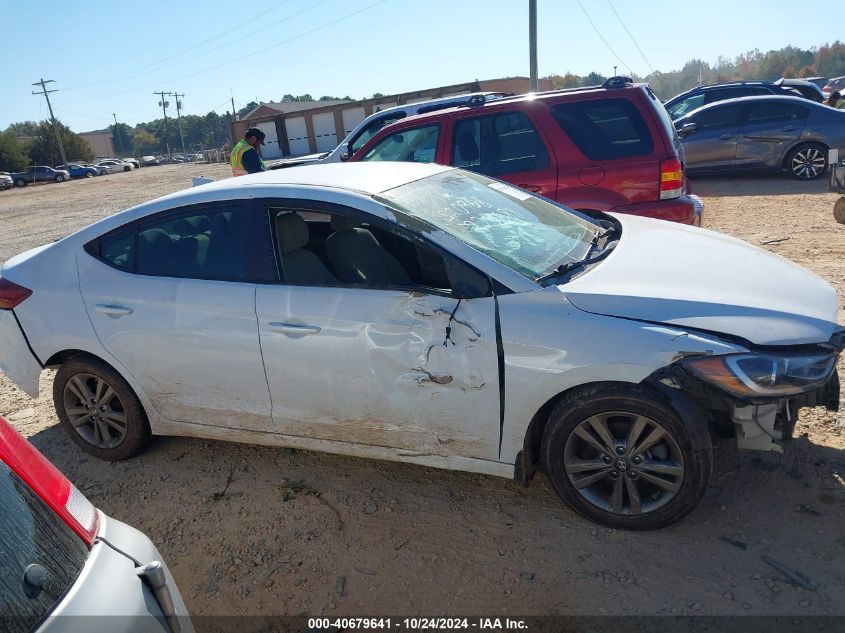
568	267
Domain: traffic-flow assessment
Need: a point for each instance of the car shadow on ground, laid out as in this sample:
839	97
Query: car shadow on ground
755	185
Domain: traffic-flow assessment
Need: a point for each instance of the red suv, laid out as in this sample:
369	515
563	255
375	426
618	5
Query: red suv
603	148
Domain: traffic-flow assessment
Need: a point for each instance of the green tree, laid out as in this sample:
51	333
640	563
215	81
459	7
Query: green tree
145	142
45	150
122	137
23	128
249	107
12	154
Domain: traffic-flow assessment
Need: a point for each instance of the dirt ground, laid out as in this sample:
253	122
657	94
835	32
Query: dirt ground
262	530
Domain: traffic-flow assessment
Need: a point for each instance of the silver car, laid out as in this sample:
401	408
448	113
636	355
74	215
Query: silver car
66	567
767	133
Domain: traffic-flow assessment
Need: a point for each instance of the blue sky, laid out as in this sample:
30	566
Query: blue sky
108	56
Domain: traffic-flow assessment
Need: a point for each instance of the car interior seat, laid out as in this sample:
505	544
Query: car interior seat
298	264
157	253
468	148
225	256
355	256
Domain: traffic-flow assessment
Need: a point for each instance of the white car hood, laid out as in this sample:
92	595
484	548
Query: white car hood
663	272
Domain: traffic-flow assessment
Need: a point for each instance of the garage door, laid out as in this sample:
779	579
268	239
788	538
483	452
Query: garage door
297	135
351	118
324	131
271	148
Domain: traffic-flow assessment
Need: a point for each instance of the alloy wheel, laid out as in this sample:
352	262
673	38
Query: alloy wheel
624	463
95	410
808	163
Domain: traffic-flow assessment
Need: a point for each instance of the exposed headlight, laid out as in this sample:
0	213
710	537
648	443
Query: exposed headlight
761	375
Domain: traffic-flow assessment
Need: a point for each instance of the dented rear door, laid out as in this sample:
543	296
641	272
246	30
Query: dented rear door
375	367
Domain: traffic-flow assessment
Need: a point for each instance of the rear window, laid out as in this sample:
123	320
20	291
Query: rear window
605	129
32	534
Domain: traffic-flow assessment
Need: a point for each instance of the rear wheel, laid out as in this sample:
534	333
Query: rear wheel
807	162
620	457
60	178
99	410
127	168
88	174
20	182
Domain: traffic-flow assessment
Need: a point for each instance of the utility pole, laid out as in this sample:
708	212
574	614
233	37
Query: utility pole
614	71
164	105
119	140
46	94
532	44
176	95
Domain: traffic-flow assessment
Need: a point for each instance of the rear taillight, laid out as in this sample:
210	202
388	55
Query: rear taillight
11	294
671	179
48	483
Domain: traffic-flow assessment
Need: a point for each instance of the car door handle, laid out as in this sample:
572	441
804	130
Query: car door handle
294	328
534	188
726	137
113	310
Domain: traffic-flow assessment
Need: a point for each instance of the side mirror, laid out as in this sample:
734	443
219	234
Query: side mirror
466	282
345	152
687	129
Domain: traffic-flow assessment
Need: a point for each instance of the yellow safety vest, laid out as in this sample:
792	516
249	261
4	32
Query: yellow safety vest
236	158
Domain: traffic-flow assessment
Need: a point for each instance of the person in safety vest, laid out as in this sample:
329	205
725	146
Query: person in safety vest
245	158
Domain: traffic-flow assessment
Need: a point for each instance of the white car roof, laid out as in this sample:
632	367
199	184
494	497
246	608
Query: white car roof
368	177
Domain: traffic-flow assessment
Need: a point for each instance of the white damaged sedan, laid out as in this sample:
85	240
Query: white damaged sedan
425	314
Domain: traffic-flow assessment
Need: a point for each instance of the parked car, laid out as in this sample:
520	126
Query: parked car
762	134
132	161
6	181
425	314
114	166
602	148
821	82
149	161
39	173
694	98
66	566
80	171
804	88
837	83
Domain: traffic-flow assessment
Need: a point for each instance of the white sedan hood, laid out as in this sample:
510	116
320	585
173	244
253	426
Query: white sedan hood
668	273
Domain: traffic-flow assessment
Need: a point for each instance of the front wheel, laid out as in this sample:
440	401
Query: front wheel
807	162
60	178
99	410
127	169
88	174
619	456
20	182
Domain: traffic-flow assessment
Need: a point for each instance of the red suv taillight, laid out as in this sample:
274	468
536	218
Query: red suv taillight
11	294
671	179
48	483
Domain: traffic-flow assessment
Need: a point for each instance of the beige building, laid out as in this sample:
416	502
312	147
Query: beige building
294	128
101	143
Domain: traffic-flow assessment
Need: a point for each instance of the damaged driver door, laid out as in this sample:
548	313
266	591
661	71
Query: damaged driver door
413	369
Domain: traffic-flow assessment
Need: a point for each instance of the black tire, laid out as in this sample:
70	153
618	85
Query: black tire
136	434
808	161
659	507
88	174
20	182
60	178
127	168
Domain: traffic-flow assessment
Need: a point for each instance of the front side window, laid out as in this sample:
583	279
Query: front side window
605	129
372	129
524	232
498	144
32	534
205	243
416	145
718	117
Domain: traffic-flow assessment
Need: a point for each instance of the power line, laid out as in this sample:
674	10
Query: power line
240	58
590	20
170	57
631	36
127	76
46	94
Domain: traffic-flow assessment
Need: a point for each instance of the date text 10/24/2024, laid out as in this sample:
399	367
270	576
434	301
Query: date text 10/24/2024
417	624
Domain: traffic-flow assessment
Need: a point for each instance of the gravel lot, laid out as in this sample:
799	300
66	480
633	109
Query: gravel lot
262	530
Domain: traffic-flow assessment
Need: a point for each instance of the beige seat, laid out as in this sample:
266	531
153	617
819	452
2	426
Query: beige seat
355	256
299	265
